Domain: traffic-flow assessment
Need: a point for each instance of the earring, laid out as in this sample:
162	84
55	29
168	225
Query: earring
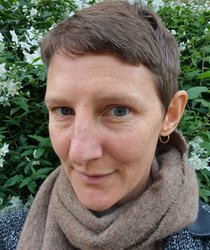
166	140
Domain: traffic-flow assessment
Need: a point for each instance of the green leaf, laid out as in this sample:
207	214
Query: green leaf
44	141
203	102
206	145
45	162
27	152
204	75
195	92
13	180
192	74
27	168
23	105
39	153
43	171
2	195
25	182
21	164
13	111
205	192
32	186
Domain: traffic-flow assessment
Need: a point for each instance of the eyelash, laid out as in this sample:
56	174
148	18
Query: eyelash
121	108
56	110
108	112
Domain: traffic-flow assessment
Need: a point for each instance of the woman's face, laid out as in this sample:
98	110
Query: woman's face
104	121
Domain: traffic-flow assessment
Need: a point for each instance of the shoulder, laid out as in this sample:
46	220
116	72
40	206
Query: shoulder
196	236
11	223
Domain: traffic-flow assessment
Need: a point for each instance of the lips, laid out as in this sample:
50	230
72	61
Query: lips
94	179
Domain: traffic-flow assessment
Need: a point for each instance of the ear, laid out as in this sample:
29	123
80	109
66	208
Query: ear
174	113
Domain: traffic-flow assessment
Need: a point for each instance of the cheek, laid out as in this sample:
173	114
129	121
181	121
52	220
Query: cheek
125	151
134	146
60	142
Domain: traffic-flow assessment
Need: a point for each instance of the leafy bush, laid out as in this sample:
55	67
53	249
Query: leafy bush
26	155
190	23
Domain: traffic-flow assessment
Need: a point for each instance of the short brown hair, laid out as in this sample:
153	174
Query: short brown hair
131	32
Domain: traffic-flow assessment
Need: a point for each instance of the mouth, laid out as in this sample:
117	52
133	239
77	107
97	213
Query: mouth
94	179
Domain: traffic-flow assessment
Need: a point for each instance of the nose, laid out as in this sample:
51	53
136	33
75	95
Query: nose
85	142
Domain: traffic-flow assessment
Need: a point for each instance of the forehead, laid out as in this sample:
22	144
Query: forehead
103	62
98	74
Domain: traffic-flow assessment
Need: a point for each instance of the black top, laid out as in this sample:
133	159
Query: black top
195	237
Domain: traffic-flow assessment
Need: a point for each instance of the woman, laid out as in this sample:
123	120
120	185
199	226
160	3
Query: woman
114	105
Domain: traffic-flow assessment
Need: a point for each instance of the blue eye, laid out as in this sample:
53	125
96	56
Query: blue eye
64	111
119	111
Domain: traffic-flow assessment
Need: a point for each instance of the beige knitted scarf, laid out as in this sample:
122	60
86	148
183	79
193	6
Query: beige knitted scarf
58	221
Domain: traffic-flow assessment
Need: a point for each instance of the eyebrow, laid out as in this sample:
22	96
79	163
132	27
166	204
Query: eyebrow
129	98
126	98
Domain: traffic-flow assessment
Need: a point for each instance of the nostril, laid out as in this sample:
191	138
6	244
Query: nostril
84	150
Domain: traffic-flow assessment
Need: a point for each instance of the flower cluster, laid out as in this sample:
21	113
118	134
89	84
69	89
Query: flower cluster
3	151
195	6
27	43
8	88
157	4
198	154
1	42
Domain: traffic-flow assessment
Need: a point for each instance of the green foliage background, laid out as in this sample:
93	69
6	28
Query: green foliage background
23	115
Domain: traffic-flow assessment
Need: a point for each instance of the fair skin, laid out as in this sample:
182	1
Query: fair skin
105	117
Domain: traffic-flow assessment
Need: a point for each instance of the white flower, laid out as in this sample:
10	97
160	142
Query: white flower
81	4
1	37
1	162
173	32
207	7
4	150
1	99
4	100
12	88
182	46
145	2
34	153
14	203
34	163
206	30
33	36
197	156
16	6
132	1
157	4
69	15
33	12
2	70
14	36
27	159
30	33
1	47
25	45
199	163
31	57
8	89
1	42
